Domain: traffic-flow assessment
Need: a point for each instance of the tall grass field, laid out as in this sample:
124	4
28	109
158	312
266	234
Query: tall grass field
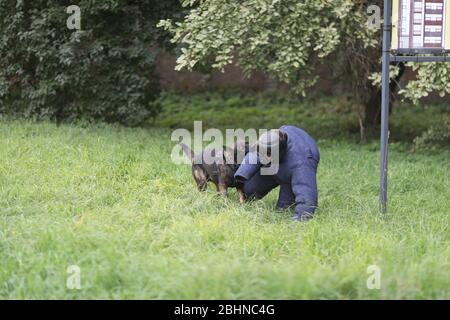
109	201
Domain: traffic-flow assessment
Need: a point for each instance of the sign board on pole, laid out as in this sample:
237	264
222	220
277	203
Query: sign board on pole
420	26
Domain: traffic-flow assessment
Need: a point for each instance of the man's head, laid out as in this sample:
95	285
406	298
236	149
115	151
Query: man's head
272	146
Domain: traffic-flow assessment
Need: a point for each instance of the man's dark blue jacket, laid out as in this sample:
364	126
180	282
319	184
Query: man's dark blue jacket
296	175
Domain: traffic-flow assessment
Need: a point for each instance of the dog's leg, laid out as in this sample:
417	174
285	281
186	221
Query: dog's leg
242	197
202	186
222	190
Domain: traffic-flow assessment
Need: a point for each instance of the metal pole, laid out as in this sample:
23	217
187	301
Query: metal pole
387	29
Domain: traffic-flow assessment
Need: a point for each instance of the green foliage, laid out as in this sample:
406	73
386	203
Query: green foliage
289	39
108	199
103	72
286	39
435	137
431	77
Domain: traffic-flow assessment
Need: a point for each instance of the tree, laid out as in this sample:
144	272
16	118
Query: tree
105	71
289	39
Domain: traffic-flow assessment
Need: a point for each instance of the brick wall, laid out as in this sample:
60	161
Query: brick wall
233	78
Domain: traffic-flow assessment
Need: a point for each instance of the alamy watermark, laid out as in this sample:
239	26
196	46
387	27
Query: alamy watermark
73	281
74	20
374	20
374	279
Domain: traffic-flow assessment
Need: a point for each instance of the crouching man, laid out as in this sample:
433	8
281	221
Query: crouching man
287	157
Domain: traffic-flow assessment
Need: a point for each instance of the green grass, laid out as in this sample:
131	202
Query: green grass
323	118
109	200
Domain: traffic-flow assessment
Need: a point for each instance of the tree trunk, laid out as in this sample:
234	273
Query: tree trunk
372	106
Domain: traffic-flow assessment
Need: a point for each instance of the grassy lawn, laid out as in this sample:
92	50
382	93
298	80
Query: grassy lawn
109	200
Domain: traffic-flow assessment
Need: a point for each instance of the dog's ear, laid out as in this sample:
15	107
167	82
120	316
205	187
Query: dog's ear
187	151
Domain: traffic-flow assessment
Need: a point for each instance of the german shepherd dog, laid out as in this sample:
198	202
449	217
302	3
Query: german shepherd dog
221	173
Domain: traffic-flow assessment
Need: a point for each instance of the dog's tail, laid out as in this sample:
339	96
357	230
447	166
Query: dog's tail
187	151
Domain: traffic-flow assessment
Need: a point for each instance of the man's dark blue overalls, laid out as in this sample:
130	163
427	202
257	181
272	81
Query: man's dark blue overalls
296	175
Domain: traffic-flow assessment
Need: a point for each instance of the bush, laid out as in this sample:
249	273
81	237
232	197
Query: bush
435	137
104	72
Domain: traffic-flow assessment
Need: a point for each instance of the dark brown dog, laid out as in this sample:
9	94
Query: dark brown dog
221	173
